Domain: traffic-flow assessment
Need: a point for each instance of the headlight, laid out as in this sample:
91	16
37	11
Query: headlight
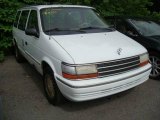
79	71
87	69
144	59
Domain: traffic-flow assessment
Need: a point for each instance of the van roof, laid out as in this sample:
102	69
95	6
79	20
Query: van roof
49	6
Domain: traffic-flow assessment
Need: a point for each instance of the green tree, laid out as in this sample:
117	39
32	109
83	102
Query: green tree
125	7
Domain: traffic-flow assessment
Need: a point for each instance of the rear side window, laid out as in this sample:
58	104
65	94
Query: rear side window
16	19
33	21
23	20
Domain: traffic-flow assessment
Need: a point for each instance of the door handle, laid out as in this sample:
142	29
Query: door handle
26	43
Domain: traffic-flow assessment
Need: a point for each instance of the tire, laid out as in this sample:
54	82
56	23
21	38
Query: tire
18	55
154	59
52	91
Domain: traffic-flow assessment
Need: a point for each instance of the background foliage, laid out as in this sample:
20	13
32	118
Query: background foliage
106	7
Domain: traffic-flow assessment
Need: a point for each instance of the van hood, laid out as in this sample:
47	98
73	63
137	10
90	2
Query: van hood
98	47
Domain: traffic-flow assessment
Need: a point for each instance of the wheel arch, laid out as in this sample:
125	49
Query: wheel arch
153	50
58	98
46	62
14	42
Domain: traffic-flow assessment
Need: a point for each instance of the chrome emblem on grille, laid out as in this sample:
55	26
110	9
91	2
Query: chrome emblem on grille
119	50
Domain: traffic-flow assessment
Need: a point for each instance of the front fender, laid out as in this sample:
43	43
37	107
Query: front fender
54	64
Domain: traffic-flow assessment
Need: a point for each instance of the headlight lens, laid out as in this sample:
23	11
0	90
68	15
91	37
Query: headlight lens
79	71
86	69
144	59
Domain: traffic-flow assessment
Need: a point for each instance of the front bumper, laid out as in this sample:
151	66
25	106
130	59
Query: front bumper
83	90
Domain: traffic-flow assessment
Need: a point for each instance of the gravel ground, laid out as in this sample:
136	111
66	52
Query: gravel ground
21	90
0	108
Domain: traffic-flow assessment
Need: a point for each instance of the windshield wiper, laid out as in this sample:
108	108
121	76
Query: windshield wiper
90	28
57	29
53	29
82	30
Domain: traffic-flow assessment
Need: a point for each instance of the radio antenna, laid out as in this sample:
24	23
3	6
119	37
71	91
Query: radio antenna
49	21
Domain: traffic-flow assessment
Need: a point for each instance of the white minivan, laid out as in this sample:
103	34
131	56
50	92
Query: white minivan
80	57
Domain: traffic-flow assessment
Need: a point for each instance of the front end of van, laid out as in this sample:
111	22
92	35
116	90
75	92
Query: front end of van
83	82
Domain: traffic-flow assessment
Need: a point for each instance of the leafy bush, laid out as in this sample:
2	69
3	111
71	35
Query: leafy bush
7	15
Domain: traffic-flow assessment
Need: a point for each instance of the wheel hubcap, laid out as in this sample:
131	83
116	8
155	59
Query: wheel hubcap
49	86
155	61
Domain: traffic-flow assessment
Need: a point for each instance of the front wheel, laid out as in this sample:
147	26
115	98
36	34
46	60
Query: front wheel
52	91
154	59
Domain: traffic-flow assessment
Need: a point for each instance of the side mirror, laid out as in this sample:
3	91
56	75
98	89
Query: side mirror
32	32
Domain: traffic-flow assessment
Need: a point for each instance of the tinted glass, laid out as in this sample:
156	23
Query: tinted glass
33	21
147	28
23	20
17	18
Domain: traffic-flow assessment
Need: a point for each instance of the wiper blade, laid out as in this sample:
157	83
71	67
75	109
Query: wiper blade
90	28
57	29
80	30
53	29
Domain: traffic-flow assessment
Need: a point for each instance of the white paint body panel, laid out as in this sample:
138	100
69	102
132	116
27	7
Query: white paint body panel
98	47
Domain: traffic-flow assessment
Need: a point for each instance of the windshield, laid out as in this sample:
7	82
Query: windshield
147	28
71	20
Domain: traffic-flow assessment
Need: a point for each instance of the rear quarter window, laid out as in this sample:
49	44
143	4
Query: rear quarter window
17	19
23	20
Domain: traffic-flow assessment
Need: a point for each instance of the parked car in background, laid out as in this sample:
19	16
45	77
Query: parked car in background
146	32
79	56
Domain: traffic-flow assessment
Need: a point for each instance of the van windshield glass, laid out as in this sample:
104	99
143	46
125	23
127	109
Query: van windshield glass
71	21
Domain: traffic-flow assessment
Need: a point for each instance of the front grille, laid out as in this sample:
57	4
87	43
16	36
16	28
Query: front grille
109	68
